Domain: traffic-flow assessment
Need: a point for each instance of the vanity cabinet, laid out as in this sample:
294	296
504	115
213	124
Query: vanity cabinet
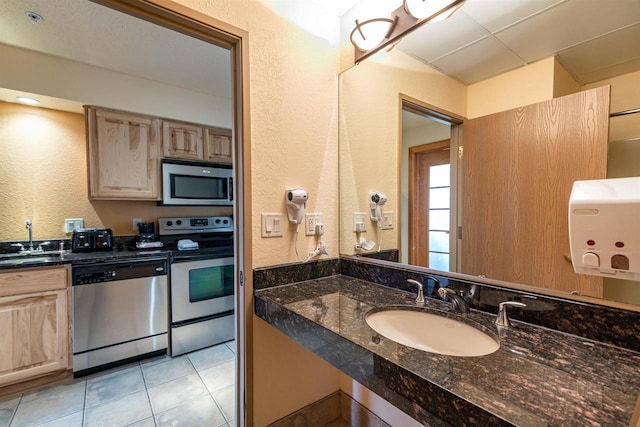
182	140
218	147
34	320
123	155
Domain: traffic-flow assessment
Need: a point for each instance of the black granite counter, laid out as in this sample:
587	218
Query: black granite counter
538	377
52	258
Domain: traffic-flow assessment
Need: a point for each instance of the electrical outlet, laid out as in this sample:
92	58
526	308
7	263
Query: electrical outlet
310	221
359	222
272	224
136	221
386	223
71	224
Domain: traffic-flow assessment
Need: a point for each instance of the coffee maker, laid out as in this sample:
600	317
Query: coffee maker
146	237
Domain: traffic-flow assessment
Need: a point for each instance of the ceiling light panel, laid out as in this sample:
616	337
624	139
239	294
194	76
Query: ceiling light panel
495	15
616	48
568	24
433	40
489	56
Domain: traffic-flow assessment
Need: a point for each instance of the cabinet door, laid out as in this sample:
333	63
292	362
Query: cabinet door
124	155
34	339
218	146
182	140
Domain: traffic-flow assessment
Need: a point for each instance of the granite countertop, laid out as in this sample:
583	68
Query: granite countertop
52	258
538	377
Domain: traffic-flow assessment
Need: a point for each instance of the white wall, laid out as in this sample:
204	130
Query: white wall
37	73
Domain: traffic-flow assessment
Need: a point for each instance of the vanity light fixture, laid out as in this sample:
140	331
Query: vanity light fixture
435	10
28	101
372	35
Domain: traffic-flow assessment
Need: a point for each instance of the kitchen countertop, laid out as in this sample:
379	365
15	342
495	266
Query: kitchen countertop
538	377
52	258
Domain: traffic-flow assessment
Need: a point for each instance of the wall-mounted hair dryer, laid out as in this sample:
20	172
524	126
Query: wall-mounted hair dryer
376	200
296	199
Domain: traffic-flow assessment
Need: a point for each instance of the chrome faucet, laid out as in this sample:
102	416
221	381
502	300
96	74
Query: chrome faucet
458	303
420	297
30	228
503	319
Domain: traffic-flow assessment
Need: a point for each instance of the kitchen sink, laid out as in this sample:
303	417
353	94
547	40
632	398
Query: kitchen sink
426	330
20	258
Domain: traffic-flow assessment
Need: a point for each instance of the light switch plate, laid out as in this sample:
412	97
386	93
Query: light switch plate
136	221
272	224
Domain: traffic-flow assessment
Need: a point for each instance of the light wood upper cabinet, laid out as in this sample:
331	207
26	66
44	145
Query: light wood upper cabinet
182	140
218	147
124	155
34	320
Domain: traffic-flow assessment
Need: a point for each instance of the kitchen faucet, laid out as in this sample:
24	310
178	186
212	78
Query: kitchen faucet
30	228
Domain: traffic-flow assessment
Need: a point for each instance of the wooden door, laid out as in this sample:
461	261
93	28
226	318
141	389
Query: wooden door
124	153
182	140
218	146
421	159
518	170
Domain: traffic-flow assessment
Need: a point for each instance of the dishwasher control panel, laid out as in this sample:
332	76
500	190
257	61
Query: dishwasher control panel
98	277
102	272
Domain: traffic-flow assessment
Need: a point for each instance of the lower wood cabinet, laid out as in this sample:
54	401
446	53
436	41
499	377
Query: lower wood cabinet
35	323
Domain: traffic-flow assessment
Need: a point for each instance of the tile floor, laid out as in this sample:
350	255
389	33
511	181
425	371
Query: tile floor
197	389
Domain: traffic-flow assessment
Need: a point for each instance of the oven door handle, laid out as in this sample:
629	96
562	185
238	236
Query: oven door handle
230	189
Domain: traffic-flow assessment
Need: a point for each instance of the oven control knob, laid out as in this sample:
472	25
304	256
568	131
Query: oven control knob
218	221
169	223
179	222
225	222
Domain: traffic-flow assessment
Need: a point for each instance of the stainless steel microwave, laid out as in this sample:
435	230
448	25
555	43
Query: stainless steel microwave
196	184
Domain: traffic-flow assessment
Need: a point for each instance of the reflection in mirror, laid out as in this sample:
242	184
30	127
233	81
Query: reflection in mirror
376	145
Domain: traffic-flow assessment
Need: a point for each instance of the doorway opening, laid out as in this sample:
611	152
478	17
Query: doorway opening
428	181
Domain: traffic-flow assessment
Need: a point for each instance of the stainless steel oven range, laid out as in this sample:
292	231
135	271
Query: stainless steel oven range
202	285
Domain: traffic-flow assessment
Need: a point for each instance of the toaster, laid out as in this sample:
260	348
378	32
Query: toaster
92	239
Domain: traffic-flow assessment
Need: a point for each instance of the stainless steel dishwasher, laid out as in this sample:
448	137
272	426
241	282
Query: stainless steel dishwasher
119	312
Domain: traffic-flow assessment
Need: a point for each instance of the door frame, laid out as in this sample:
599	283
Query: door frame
177	17
416	240
413	105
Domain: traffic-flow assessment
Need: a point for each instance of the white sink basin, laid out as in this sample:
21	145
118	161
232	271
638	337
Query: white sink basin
431	332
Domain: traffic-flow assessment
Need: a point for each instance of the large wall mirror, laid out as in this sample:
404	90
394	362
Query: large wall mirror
412	133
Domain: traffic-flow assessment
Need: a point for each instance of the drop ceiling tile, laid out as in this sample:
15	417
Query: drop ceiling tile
434	40
495	15
609	72
603	52
479	61
567	24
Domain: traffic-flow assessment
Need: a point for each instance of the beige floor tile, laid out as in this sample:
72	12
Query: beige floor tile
200	411
166	370
119	412
173	393
210	356
50	404
219	376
